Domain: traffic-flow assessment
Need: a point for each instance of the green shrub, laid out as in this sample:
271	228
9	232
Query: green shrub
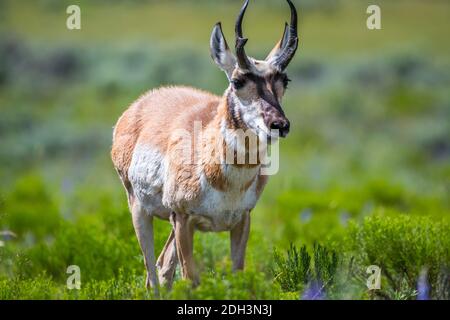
403	247
125	285
30	210
241	285
299	268
39	288
293	271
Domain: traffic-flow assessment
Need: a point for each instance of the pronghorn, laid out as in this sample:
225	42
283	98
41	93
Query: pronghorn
208	193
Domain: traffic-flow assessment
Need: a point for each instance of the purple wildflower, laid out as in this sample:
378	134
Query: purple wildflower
306	215
423	288
314	291
344	217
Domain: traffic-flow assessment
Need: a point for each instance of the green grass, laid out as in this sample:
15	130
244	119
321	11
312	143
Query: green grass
364	174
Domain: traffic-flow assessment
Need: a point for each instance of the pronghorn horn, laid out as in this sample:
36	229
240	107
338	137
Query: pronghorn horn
289	48
242	58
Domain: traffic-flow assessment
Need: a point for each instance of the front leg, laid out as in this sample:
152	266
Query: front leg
238	238
184	239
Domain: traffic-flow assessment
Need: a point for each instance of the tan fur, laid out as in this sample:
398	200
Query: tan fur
152	119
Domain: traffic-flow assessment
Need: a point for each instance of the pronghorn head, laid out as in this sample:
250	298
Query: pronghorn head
257	86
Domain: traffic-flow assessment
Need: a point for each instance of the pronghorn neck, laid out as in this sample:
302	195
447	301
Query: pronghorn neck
236	136
223	165
233	118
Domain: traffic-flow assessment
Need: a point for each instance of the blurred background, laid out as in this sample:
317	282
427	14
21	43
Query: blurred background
365	171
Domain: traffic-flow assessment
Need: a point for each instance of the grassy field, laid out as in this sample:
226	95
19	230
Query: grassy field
364	175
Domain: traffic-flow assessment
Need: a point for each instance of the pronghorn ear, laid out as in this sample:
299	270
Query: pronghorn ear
220	51
280	45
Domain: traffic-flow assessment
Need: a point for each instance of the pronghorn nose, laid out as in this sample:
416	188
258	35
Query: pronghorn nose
281	125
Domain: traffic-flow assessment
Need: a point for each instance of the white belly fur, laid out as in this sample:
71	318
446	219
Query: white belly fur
223	210
214	210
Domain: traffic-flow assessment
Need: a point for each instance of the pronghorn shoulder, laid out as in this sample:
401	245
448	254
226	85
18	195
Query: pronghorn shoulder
169	109
153	118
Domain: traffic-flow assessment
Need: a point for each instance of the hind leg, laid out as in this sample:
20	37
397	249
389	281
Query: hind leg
167	262
143	226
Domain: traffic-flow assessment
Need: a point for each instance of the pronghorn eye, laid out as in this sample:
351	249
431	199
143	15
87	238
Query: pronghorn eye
286	81
238	83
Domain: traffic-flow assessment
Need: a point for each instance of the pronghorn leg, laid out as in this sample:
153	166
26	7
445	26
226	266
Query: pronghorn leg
143	226
238	238
184	238
167	261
